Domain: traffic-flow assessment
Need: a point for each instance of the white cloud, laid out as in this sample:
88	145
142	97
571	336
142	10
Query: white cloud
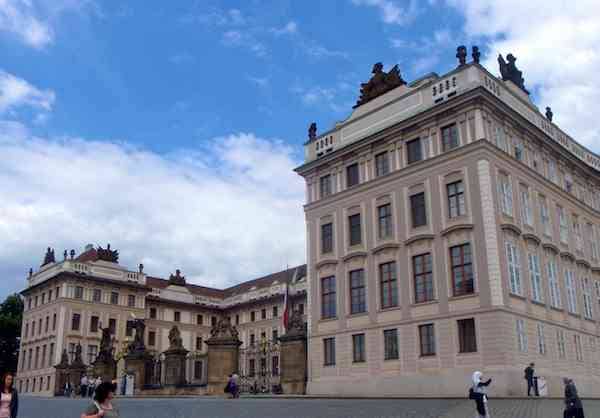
237	38
216	17
391	12
16	93
224	212
557	49
319	51
18	17
335	98
290	28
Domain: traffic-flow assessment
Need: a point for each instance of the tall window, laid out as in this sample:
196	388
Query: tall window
571	291
275	311
152	338
274	335
96	295
198	343
94	321
352	178
577	233
541	339
43	363
560	342
78	292
47	324
75	322
536	277
449	137
578	348
325	185
587	298
358	348
328	302
382	164
54	322
593	241
456	199
327	238
555	301
418	210
252	316
199	319
521	335
275	365
390	344
427	340
505	193
545	216
462	270
51	356
354	229
414	152
92	352
384	214
263	313
467	340
514	268
329	352
198	369
563	225
501	139
177	316
423	278
389	286
526	213
358	297
252	367
552	171
131	301
114	298
112	326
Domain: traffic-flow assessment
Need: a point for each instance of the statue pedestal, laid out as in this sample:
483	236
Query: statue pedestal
175	366
136	364
106	369
293	363
223	358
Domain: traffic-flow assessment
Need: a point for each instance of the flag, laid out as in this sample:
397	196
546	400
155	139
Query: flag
286	310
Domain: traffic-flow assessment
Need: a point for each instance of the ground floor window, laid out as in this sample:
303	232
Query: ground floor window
358	348
329	351
390	343
275	366
467	339
198	369
427	340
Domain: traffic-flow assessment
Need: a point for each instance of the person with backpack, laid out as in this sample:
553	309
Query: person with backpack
531	383
478	393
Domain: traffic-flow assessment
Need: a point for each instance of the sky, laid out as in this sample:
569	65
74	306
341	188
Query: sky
171	129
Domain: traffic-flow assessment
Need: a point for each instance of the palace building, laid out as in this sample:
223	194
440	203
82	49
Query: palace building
68	302
452	227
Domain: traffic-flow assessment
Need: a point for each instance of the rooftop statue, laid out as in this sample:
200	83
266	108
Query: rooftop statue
380	83
107	254
177	279
312	132
509	71
49	257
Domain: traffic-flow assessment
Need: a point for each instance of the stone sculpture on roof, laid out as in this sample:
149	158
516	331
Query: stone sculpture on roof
510	72
49	257
107	254
177	279
312	131
380	83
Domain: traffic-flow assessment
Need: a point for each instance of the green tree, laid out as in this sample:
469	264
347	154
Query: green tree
11	316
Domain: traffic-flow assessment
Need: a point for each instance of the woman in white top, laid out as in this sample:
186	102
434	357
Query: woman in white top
9	398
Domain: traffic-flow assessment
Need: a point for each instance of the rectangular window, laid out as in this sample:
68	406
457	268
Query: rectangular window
352	178
252	339
274	335
577	233
501	139
275	365
390	344
301	308
213	321
384	217
358	348
358	293
505	193
427	340
54	322
152	313
541	339
114	298
587	298
47	324
263	313
329	352
521	335
555	300
198	369
237	319
418	210
423	278
92	353
152	338
382	164
560	341
354	229
275	311
536	277
389	285
456	199
526	213
328	297
252	367
578	348
563	224
252	316
94	321
463	282
414	152
78	292
327	238
129	328
43	298
75	322
514	268
449	137
467	340
325	185
131	301
545	216
198	343
43	364
112	325
96	295
552	171
593	241
51	356
177	316
571	291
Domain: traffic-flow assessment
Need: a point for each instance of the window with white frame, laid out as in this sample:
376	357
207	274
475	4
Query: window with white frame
552	171
518	146
555	300
578	348
560	342
545	216
571	291
514	268
501	139
577	233
541	339
521	335
587	298
564	227
593	241
526	213
505	193
536	277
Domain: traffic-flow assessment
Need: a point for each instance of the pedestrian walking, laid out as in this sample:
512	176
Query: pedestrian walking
478	393
9	398
83	386
102	405
530	377
573	405
67	389
235	385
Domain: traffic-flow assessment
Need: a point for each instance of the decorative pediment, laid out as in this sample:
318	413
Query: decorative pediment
380	83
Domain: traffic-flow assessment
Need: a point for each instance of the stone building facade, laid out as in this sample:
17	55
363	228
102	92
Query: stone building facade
452	227
68	302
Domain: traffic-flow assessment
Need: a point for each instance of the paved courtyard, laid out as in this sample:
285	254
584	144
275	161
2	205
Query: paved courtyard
32	407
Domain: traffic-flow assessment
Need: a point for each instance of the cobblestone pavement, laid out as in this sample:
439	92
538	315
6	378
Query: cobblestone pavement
32	407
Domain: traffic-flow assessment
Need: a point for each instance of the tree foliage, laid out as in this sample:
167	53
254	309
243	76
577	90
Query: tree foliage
11	316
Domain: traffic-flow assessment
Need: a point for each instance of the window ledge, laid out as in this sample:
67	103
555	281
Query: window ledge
358	314
419	237
322	320
460	297
391	308
428	302
467	353
557	309
427	356
457	227
539	303
353	254
517	296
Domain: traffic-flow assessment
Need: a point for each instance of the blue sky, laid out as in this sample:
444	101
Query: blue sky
170	129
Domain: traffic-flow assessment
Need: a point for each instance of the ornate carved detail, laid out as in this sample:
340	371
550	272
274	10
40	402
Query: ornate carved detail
475	54
509	71
549	113
137	346
78	361
177	279
175	341
312	131
64	360
106	346
107	254
49	257
296	324
461	54
223	330
380	83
